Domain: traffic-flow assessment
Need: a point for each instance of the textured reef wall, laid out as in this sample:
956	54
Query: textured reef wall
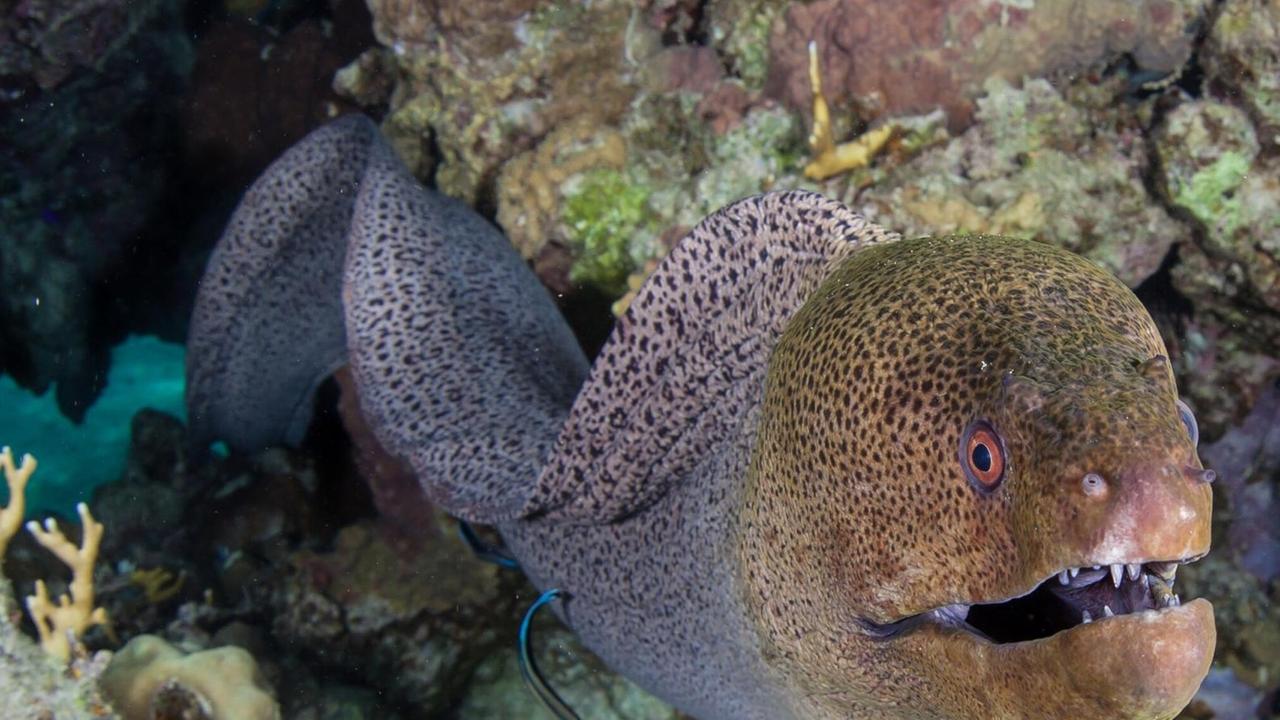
1144	135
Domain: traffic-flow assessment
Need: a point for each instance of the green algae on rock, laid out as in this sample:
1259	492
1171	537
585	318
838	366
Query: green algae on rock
610	196
1212	167
1206	150
604	211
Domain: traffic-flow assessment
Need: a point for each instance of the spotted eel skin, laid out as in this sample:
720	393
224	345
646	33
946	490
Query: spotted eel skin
817	471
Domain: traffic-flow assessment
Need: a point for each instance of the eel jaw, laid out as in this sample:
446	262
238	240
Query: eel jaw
1126	648
1074	596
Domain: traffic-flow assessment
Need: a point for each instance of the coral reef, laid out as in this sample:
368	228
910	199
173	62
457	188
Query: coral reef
739	30
609	200
362	608
529	188
486	80
1213	169
595	134
914	57
830	158
34	680
37	687
1242	575
433	646
149	678
1240	61
61	624
1038	163
395	602
499	90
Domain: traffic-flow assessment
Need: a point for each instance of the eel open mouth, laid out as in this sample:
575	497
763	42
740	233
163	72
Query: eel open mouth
1073	597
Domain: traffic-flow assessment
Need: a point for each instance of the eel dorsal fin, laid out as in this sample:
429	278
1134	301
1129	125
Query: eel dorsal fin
686	363
464	365
267	325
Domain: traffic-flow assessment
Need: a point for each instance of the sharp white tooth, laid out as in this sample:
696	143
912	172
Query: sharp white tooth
1173	572
1106	611
1075	572
1086	618
1117	572
1063	577
1095	567
1146	581
1132	570
1176	601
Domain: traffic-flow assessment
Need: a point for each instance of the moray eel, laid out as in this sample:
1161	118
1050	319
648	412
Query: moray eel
817	471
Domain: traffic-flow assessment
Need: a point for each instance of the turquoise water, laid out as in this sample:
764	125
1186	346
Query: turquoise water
75	459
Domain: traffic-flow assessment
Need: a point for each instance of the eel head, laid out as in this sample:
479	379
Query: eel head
972	487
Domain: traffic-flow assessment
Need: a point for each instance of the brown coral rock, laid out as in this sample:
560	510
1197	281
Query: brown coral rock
414	628
485	80
916	56
255	94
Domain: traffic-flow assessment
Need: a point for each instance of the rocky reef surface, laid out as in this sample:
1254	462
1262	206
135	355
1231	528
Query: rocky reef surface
1144	135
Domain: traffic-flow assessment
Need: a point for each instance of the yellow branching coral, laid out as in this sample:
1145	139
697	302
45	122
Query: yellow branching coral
16	476
831	159
62	623
158	584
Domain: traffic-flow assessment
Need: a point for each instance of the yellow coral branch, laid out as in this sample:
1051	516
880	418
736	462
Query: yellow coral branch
16	476
831	159
63	623
158	583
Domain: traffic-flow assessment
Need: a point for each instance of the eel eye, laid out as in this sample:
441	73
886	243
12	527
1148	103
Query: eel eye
982	455
1189	421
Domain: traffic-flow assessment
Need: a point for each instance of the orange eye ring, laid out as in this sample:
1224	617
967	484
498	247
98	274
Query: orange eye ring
982	456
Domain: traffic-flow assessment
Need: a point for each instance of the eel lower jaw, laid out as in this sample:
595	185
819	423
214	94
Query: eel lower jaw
1141	654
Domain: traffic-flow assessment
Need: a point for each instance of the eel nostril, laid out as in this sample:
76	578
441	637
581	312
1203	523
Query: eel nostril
1203	475
1093	484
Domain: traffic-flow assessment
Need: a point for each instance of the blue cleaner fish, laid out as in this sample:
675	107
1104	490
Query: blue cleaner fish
817	471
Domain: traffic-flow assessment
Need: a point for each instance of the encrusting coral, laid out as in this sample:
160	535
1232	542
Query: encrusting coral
74	612
218	684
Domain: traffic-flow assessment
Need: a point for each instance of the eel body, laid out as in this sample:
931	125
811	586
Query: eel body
817	471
